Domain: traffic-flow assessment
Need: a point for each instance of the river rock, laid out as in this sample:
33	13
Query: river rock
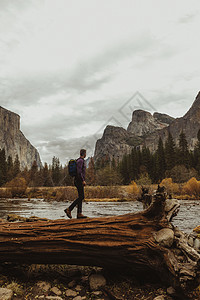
44	286
78	298
53	298
97	293
70	293
6	294
78	288
96	281
161	297
71	284
165	237
56	291
171	291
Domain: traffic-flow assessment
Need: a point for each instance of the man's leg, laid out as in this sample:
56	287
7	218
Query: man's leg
78	186
80	197
71	207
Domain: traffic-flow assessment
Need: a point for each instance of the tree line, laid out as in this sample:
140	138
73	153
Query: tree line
141	165
169	160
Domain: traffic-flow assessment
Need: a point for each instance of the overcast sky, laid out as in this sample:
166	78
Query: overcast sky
70	67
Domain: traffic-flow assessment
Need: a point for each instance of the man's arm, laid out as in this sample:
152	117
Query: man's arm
80	173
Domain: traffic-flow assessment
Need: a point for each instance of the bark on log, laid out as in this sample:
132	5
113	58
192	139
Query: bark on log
143	241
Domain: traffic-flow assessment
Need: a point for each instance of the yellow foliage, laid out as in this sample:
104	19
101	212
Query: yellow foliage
133	189
192	187
170	186
17	186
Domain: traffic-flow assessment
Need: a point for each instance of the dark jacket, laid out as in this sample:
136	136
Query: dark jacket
81	167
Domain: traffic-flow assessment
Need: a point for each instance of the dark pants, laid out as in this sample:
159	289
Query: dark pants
79	200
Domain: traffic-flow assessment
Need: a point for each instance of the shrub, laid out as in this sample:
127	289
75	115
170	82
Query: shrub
133	189
171	188
17	186
144	179
5	193
181	174
108	176
192	187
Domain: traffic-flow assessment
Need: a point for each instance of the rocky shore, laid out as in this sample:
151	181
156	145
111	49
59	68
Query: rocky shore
59	282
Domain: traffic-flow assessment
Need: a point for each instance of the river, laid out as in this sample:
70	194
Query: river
187	218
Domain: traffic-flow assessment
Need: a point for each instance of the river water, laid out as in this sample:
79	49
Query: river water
187	218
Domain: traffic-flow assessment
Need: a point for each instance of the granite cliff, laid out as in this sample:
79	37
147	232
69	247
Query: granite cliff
145	130
13	140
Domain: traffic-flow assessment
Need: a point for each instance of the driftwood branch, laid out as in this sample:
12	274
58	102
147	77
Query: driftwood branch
141	242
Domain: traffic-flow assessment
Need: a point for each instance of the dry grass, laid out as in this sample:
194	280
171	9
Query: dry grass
189	190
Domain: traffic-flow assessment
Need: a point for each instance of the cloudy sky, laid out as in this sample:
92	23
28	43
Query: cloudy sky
70	67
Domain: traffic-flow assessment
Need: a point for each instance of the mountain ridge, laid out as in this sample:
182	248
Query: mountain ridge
145	129
13	140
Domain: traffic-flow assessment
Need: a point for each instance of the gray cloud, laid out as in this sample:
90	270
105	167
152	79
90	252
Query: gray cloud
29	88
66	149
92	86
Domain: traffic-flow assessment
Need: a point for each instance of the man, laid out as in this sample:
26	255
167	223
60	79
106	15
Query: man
79	182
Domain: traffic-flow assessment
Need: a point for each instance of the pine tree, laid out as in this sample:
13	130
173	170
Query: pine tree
34	174
182	151
56	174
170	152
160	164
47	180
16	168
145	160
3	167
124	169
196	154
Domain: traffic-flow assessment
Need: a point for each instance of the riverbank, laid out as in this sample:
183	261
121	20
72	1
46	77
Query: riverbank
184	191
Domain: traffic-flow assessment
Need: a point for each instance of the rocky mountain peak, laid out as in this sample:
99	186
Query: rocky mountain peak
13	140
144	123
113	132
194	110
163	118
145	129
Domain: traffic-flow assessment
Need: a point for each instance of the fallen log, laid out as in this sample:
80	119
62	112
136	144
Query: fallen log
143	242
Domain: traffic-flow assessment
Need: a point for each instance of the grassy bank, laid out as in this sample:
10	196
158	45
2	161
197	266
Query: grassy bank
188	190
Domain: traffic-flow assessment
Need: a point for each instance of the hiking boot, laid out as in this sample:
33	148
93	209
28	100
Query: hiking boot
68	212
81	216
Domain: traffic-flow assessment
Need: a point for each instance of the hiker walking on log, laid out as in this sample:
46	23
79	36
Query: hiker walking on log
79	182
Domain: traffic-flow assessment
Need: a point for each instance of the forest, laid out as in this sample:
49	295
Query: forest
142	166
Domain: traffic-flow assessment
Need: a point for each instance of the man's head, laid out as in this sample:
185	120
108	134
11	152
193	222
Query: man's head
83	153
